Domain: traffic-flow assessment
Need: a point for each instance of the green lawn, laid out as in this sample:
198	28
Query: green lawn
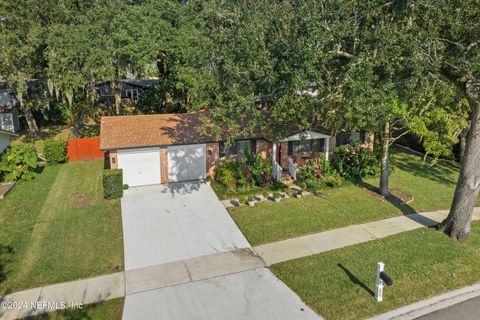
109	310
423	263
431	186
58	227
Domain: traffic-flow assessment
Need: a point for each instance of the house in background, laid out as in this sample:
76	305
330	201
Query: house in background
131	90
9	124
164	148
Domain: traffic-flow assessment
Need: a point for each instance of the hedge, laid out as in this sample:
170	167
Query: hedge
112	183
55	151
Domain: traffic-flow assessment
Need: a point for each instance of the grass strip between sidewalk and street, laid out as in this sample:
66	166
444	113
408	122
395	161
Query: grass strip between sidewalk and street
423	263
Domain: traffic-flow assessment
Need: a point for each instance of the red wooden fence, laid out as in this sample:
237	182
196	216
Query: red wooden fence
84	149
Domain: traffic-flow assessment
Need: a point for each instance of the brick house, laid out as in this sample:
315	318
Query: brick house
165	148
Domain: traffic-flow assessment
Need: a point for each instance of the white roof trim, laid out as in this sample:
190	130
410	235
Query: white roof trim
306	135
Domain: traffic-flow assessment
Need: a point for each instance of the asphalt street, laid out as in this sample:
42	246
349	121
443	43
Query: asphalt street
467	310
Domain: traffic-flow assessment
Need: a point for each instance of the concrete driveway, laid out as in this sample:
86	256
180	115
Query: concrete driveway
249	295
165	223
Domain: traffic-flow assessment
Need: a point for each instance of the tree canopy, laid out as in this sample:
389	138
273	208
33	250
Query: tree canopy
386	66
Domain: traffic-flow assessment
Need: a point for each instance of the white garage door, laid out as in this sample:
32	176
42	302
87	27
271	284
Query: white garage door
140	166
187	162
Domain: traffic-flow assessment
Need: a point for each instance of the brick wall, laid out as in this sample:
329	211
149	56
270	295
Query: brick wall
262	148
113	159
164	165
213	157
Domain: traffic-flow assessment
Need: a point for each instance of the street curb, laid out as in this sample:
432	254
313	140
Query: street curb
424	307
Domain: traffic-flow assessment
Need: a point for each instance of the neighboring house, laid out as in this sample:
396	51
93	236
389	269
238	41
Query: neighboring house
131	90
9	125
165	148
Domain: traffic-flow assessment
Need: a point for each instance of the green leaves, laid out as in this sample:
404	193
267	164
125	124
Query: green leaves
18	162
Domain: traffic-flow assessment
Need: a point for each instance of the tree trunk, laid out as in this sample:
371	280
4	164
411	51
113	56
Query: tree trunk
32	123
384	175
463	141
117	96
162	66
457	224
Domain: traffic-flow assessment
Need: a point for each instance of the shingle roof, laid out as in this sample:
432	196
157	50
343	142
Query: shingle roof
144	83
117	132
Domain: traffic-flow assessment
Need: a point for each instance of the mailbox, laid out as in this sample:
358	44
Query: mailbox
382	277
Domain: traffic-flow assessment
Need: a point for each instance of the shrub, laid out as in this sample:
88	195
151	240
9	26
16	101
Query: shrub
226	174
317	172
288	191
55	151
112	183
276	195
333	181
260	170
255	171
18	162
355	162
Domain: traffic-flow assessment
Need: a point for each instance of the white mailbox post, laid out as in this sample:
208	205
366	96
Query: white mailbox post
379	282
382	278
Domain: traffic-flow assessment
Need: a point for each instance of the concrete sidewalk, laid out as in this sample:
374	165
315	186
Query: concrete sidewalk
121	284
202	268
295	248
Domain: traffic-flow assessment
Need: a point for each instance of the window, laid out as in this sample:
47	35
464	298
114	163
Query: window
313	145
244	147
239	147
7	122
106	91
132	94
351	138
226	150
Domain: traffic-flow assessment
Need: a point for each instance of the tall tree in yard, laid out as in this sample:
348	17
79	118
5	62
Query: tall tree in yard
21	45
358	58
453	50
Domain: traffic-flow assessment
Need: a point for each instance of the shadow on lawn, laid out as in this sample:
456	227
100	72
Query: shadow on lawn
402	206
355	280
443	173
406	209
6	253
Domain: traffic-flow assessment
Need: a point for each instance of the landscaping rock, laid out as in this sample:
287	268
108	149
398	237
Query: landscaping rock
5	187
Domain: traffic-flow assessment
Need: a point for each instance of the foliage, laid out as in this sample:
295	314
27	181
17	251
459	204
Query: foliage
225	174
18	162
113	183
260	169
316	172
243	175
55	151
288	191
355	162
276	195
